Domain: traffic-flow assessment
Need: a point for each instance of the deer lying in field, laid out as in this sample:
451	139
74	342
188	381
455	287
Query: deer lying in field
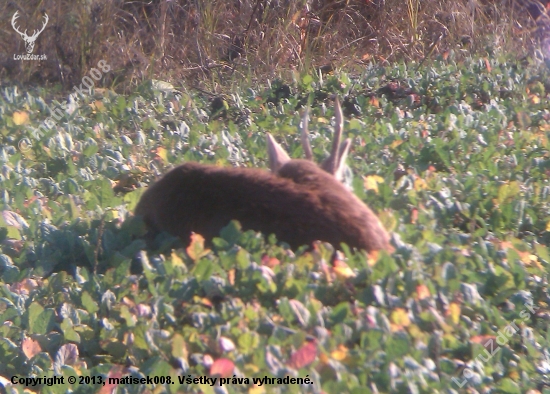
298	201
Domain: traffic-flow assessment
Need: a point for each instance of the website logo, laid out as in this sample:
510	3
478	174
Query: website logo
29	39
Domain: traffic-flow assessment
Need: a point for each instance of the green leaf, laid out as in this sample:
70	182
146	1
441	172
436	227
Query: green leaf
340	313
40	320
88	302
69	333
90	150
542	252
203	270
248	342
508	192
132	198
127	316
397	346
307	79
105	194
242	259
140	340
232	232
508	386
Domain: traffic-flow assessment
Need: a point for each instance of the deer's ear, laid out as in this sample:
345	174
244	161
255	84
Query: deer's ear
277	155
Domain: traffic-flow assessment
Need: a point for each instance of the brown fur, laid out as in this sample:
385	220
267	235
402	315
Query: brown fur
301	205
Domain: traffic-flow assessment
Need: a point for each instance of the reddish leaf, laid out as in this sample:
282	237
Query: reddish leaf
30	347
14	219
25	286
414	215
115	372
222	367
303	356
422	291
14	245
483	340
487	64
271	262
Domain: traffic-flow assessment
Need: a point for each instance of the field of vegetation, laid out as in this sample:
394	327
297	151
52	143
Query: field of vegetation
453	156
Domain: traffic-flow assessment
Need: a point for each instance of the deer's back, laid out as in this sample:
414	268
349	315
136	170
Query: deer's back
359	225
203	199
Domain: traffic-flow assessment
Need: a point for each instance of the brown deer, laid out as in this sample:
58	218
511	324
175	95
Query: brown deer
298	201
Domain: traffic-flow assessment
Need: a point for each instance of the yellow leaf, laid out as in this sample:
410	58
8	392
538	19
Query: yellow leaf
400	318
535	99
420	184
340	354
99	105
396	143
196	249
20	117
344	272
256	390
80	366
162	153
323	120
371	182
454	312
529	259
324	358
514	375
252	369
372	258
176	260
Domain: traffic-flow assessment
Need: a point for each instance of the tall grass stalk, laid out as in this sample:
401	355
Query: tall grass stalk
412	12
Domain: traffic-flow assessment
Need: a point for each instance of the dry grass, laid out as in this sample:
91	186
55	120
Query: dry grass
213	43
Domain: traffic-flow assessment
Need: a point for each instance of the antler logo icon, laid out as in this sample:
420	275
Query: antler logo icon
29	40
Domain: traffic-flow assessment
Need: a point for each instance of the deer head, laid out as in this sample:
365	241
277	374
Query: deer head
334	164
29	40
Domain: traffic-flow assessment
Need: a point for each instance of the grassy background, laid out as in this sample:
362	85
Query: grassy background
212	44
